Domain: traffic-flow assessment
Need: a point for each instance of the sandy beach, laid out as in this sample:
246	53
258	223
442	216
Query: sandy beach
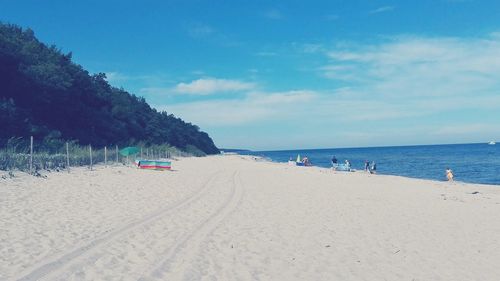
235	218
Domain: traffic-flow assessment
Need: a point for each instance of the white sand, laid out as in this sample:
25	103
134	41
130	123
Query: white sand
232	218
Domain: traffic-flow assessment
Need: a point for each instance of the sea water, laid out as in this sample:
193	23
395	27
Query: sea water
474	163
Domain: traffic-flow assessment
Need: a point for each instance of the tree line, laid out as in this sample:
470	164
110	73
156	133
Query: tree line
46	95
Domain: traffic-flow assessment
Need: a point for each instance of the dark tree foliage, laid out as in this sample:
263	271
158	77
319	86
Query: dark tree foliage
44	94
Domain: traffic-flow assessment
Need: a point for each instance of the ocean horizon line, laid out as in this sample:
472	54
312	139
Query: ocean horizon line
348	147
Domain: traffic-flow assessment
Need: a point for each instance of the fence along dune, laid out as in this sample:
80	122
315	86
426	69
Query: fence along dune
32	156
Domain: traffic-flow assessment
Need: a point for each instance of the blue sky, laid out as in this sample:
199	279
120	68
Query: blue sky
293	74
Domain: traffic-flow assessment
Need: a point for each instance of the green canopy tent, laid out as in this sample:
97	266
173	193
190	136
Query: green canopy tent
131	150
127	151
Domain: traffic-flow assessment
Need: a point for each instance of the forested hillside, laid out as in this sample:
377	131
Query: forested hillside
44	94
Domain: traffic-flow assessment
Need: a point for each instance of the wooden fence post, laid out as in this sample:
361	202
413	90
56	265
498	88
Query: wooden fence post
67	156
90	151
31	155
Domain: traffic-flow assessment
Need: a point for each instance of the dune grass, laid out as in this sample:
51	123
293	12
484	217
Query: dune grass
16	156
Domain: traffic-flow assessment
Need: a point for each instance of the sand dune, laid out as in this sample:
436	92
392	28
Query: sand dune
233	218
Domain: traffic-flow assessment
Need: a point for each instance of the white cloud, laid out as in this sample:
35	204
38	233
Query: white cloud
339	72
255	107
405	78
431	89
114	77
420	67
404	90
382	10
296	96
206	86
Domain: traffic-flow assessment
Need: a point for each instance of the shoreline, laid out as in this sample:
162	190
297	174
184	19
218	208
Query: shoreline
4	175
471	163
234	218
268	160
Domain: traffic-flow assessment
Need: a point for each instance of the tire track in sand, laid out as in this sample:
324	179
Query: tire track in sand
182	253
39	272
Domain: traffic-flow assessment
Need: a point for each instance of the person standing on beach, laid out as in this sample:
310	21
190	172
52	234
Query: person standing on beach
367	165
449	174
334	160
373	169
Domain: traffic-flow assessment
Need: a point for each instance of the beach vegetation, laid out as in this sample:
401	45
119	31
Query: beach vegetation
56	155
